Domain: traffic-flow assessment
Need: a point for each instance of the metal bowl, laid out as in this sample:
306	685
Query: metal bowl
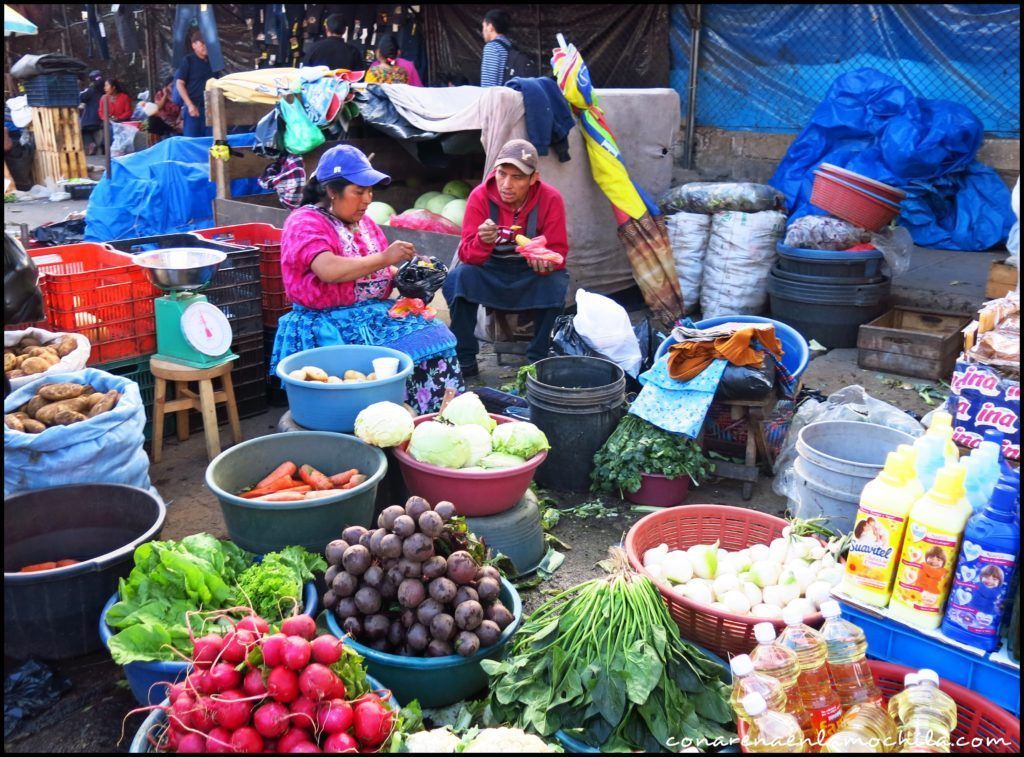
180	269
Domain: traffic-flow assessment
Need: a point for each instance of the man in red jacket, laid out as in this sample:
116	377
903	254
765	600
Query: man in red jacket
512	201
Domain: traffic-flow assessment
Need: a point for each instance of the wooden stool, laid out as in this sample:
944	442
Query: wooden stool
513	331
185	399
752	413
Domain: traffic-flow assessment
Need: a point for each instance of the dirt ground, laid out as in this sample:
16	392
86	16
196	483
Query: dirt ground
89	717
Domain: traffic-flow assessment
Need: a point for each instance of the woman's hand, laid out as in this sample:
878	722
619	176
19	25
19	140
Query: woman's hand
399	252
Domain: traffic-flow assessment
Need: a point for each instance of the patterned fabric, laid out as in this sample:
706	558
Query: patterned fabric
380	73
430	379
287	177
677	406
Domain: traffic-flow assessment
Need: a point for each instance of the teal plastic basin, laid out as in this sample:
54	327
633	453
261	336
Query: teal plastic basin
435	681
334	407
263	527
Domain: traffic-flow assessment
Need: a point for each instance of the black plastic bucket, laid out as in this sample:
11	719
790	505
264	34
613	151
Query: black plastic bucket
830	313
577	402
858	264
52	614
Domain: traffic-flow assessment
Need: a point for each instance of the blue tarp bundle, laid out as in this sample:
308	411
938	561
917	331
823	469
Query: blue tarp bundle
872	124
161	190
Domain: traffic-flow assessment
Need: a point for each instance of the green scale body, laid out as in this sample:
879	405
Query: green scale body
189	328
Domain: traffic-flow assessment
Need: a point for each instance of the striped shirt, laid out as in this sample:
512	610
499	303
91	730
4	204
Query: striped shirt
492	66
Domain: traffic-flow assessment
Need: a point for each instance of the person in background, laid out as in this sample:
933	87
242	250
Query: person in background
89	119
512	201
333	51
115	105
166	122
387	69
190	80
496	46
455	80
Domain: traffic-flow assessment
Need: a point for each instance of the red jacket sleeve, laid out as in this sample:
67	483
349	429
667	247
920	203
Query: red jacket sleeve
552	224
471	249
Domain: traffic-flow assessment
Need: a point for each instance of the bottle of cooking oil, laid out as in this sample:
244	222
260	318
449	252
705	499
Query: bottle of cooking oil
746	680
770	732
847	658
779	662
816	693
925	717
865	728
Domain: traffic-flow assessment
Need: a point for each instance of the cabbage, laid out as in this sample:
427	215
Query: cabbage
423	199
436	204
439	444
457	188
479	442
384	424
467	408
454	211
380	212
501	460
519	438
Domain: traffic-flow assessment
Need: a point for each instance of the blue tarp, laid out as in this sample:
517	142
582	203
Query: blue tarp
872	124
161	190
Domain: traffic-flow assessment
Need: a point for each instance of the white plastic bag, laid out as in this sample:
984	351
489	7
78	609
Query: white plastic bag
604	325
741	252
122	140
74	361
688	235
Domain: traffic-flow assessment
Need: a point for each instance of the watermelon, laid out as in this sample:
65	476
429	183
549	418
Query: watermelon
454	211
458	189
423	199
380	212
436	204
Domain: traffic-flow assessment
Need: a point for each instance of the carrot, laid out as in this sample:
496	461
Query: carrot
278	484
317	494
315	478
66	563
301	488
286	468
356	480
281	497
340	479
38	567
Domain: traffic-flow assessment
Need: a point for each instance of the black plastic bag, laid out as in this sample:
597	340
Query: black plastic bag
565	340
62	232
30	690
23	302
378	111
746	382
417	280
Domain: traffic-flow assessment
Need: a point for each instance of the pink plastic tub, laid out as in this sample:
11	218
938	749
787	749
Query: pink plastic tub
659	491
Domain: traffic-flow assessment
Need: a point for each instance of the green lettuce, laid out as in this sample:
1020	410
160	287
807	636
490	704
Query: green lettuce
273	588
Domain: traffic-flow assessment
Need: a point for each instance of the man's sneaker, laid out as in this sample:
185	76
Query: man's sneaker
469	371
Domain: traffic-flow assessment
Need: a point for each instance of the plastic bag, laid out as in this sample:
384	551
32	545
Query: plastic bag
29	691
746	382
566	341
419	281
824	233
896	245
714	197
106	449
268	141
23	301
61	232
688	235
122	138
852	403
741	252
604	326
300	135
424	220
74	361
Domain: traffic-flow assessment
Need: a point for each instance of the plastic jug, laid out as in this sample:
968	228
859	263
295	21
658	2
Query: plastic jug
984	573
983	473
997	437
942	427
816	693
930	547
865	728
847	658
746	680
879	529
770	731
925	717
779	662
931	458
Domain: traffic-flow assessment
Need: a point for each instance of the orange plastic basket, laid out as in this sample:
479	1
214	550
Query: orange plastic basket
682	527
981	726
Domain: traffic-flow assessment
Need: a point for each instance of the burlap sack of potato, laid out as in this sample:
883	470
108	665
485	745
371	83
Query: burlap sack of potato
72	354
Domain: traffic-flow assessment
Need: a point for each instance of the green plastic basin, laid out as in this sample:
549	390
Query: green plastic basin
263	527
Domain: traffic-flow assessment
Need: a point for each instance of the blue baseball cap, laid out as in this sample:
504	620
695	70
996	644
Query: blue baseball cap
349	163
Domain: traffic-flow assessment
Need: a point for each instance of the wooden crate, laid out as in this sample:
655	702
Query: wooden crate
59	165
57	130
1002	279
912	342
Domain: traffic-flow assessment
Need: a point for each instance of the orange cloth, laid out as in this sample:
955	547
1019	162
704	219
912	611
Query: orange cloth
688	360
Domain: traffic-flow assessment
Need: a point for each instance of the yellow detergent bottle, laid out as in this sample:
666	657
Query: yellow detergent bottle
942	426
878	531
930	548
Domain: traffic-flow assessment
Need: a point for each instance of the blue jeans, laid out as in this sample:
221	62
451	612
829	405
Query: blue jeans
183	18
194	127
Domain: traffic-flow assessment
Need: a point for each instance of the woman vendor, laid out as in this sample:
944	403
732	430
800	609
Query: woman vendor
338	269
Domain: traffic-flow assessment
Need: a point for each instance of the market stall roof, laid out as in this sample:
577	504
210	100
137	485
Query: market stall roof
15	23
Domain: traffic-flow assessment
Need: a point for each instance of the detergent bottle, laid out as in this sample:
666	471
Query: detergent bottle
984	573
770	731
997	437
819	699
879	529
847	658
931	458
983	471
942	427
925	716
930	547
772	659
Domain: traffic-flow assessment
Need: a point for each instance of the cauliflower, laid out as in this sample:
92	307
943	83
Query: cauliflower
437	741
500	740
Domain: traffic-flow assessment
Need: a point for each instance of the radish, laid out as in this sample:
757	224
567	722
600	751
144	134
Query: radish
339	689
303	714
335	716
341	743
218	741
223	677
202	715
254	623
296	652
305	747
231	710
171	739
318	682
291	738
174	691
299	625
253	684
372	723
327	650
270	746
271	720
246	740
180	714
283	685
203	683
273	649
237	645
207	650
192	743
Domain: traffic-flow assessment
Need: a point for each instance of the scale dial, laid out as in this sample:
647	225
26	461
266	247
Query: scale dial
206	329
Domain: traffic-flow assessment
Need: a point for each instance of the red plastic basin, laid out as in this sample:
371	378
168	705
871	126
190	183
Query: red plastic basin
660	491
474	493
885	191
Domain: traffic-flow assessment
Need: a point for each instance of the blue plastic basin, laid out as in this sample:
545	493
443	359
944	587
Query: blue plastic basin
796	352
333	407
149	680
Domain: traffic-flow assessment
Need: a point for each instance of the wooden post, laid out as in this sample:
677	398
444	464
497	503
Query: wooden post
216	115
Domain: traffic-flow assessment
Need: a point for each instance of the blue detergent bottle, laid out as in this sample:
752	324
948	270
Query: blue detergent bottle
983	471
984	573
996	436
931	458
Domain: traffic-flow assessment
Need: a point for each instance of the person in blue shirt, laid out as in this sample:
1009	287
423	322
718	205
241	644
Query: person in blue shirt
89	119
190	81
496	46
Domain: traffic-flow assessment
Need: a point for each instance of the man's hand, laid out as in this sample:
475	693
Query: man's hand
488	232
193	110
399	252
540	267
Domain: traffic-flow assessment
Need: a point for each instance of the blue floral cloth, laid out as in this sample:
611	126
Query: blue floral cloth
677	406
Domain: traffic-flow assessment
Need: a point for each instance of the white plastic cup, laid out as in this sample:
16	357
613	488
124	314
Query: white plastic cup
385	367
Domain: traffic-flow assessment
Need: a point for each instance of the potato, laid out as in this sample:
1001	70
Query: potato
33	426
334	380
50	356
21	416
107	403
315	374
10	362
355	376
92	398
16	373
34	406
34	365
48	414
28	341
298	375
372	377
66	346
58	392
13	422
66	417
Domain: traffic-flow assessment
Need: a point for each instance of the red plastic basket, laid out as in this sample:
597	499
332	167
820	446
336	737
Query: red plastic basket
981	727
851	203
885	191
685	526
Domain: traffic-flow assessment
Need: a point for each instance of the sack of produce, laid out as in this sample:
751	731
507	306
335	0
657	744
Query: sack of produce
825	233
688	235
75	428
59	353
741	252
714	197
423	220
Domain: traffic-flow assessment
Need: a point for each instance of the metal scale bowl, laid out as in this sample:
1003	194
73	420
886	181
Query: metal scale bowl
189	330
